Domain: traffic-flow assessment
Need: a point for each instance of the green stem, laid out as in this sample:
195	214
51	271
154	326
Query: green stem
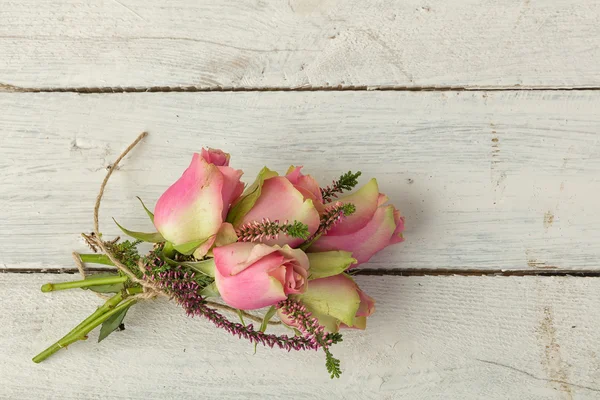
309	243
110	308
134	290
91	281
96	259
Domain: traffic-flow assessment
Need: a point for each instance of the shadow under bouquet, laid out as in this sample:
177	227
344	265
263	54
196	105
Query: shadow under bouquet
283	244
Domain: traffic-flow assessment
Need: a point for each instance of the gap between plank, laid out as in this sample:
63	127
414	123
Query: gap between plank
6	88
368	272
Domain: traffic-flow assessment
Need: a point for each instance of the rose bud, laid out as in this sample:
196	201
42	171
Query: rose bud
255	275
371	228
335	301
193	209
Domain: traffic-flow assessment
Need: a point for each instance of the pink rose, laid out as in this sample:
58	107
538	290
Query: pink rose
254	275
307	185
216	156
336	301
279	198
371	228
195	206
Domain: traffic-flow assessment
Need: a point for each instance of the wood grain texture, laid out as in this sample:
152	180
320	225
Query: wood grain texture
431	338
255	43
485	180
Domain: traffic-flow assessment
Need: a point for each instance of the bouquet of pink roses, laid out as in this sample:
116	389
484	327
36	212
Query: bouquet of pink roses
284	243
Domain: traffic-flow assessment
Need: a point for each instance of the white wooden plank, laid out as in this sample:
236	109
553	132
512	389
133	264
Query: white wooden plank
431	338
486	181
249	43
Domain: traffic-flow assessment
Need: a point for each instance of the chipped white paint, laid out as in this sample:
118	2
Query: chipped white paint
497	180
430	338
255	43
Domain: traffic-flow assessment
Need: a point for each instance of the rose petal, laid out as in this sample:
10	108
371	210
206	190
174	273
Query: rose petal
367	305
375	236
279	273
204	248
191	209
298	255
335	296
397	235
310	186
226	235
215	156
365	201
359	323
232	187
381	199
241	290
280	201
236	257
329	263
294	282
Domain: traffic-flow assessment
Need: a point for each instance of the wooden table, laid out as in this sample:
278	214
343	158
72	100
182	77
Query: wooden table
480	119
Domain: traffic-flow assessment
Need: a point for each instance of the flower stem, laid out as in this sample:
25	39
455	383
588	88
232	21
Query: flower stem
108	309
96	259
91	281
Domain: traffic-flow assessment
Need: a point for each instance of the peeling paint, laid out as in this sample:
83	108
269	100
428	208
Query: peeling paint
552	361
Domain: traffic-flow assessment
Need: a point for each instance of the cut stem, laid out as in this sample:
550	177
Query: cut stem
96	259
110	308
91	281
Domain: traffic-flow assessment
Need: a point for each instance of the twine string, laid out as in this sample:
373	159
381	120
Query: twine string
81	269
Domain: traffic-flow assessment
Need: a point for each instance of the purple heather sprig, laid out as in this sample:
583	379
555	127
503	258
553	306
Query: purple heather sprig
333	215
329	219
267	229
303	320
299	317
184	287
248	332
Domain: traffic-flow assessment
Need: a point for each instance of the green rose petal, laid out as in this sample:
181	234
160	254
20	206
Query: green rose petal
329	263
335	296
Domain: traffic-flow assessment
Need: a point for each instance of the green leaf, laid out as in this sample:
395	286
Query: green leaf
329	263
150	214
145	237
210	291
206	267
112	324
267	318
249	197
96	259
114	288
189	247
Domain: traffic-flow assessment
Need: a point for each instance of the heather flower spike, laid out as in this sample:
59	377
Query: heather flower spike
283	245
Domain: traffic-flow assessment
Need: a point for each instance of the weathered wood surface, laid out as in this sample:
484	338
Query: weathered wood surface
299	43
431	338
496	180
487	181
